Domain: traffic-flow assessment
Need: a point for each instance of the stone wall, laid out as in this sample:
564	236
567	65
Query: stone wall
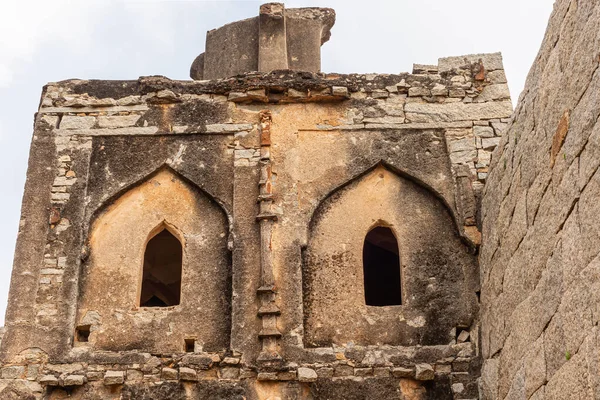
540	264
258	157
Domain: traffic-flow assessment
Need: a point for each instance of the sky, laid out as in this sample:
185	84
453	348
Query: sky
51	40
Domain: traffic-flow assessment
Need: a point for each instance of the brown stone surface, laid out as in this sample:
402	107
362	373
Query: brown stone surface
110	286
270	182
430	252
539	263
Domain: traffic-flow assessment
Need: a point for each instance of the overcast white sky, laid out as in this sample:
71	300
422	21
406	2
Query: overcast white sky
51	40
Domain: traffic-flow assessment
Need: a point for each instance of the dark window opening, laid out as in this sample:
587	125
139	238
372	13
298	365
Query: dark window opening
190	345
161	281
82	333
381	265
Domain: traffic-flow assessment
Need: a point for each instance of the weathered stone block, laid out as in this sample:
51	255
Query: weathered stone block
343	370
169	374
381	372
400	372
229	373
76	122
188	374
307	374
424	372
325	372
490	143
497	76
483	131
200	361
433	112
363	371
94	376
14	372
463	157
465	144
74	380
247	374
114	378
491	62
457	93
267	376
439	90
134	375
228	128
117	121
494	92
230	361
49	380
129	131
458	388
418	91
286	376
380	94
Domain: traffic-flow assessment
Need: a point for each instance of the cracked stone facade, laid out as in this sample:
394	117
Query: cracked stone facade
270	181
540	264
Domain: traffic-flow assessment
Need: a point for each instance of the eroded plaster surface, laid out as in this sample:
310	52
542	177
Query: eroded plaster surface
111	277
438	274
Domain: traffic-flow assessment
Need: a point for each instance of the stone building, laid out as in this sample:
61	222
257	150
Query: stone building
263	231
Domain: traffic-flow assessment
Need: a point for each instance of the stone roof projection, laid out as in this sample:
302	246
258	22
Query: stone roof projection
277	39
223	238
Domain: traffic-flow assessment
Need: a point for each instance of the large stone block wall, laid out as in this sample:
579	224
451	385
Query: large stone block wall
259	157
540	259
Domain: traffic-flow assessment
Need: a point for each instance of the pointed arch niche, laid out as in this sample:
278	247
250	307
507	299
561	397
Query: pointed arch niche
158	275
384	264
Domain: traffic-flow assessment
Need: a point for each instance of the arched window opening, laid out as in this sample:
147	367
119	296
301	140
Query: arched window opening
161	281
381	266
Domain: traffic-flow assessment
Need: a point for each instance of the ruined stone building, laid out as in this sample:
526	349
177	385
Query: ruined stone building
267	231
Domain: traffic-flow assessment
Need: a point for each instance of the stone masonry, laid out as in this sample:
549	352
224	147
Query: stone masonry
278	38
270	180
540	262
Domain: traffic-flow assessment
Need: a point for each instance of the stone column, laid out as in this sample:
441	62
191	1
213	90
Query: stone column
272	42
268	311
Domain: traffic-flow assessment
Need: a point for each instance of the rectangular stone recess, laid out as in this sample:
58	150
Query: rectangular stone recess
190	345
82	333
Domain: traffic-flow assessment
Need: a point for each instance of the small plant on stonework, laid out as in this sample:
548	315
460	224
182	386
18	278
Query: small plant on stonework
564	156
568	355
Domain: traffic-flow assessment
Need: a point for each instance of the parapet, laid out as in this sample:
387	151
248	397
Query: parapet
277	39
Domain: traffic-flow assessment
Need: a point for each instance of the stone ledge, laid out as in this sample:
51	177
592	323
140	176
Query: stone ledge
491	62
284	86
